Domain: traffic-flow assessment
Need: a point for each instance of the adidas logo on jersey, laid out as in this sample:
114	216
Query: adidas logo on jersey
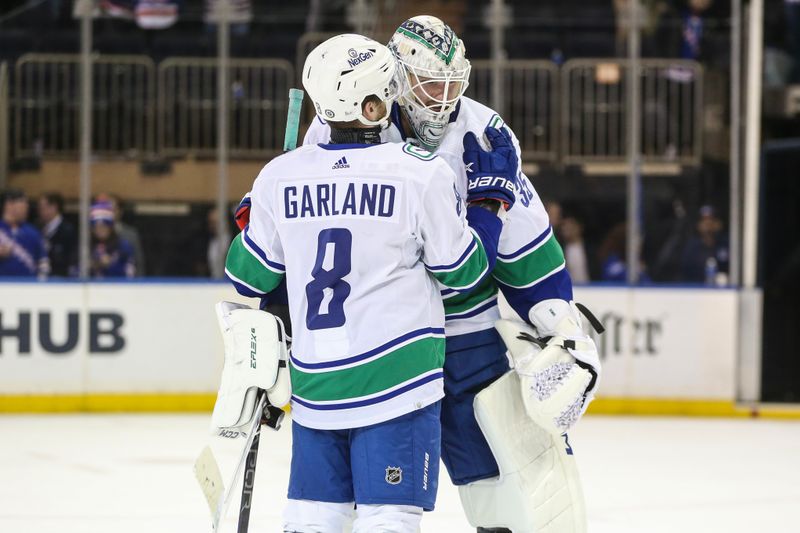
342	163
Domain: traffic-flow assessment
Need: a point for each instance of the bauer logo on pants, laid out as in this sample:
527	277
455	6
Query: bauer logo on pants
394	475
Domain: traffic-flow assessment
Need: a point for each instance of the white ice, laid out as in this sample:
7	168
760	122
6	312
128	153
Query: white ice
133	474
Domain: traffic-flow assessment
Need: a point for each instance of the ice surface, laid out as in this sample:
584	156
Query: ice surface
133	474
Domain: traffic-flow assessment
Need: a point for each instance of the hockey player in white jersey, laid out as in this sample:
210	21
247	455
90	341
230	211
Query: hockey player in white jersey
432	112
364	233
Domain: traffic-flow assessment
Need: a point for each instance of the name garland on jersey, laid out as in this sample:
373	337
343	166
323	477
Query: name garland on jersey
342	198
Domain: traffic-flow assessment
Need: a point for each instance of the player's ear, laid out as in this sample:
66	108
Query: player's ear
373	108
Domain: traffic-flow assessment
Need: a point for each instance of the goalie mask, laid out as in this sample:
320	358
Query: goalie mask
344	70
434	73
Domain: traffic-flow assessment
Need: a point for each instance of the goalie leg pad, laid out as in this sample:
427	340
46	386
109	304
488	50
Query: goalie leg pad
255	358
538	490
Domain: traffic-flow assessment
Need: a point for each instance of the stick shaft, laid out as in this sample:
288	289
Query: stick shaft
293	119
248	483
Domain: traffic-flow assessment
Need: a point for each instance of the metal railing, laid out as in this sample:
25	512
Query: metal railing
47	105
573	114
3	125
530	102
187	104
593	121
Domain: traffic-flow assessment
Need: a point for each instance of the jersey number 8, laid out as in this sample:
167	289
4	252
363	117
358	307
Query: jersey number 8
329	277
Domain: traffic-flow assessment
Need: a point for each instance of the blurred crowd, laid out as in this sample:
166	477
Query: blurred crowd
688	249
43	243
46	245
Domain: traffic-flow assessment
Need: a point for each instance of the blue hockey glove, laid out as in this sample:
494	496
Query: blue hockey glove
491	175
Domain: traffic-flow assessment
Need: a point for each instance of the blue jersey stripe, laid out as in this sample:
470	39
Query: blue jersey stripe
474	312
366	355
558	286
371	401
243	289
458	262
527	247
251	243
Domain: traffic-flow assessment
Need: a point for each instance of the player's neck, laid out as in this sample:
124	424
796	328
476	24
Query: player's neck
369	135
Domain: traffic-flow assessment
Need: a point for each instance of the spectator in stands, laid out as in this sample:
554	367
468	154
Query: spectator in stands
111	254
706	255
692	27
554	211
613	256
125	231
22	250
216	251
666	239
60	238
574	249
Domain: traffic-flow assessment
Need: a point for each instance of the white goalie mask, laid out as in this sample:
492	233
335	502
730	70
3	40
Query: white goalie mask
434	74
344	70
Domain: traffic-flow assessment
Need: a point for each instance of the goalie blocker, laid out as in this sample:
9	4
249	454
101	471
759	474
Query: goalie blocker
256	358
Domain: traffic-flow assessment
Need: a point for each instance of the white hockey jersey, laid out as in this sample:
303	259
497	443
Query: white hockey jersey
363	234
530	263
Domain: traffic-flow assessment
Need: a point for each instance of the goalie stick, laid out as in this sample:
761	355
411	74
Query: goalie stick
206	468
208	475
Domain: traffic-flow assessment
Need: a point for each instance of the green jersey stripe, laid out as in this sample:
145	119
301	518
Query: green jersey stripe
379	375
530	268
245	266
460	302
471	270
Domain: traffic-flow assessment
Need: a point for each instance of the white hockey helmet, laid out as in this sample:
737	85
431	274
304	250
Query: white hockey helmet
344	70
435	75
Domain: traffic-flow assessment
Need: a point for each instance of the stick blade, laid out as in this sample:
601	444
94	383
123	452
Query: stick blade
209	478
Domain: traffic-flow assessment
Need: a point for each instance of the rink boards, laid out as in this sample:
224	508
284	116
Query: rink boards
149	346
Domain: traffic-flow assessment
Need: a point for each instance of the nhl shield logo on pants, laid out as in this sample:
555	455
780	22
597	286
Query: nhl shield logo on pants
394	475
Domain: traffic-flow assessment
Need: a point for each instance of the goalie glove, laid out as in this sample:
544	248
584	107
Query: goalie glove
557	362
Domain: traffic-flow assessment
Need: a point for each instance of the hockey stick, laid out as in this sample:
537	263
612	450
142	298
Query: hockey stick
273	415
293	119
206	468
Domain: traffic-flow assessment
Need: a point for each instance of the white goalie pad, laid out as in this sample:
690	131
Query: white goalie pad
538	490
256	357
